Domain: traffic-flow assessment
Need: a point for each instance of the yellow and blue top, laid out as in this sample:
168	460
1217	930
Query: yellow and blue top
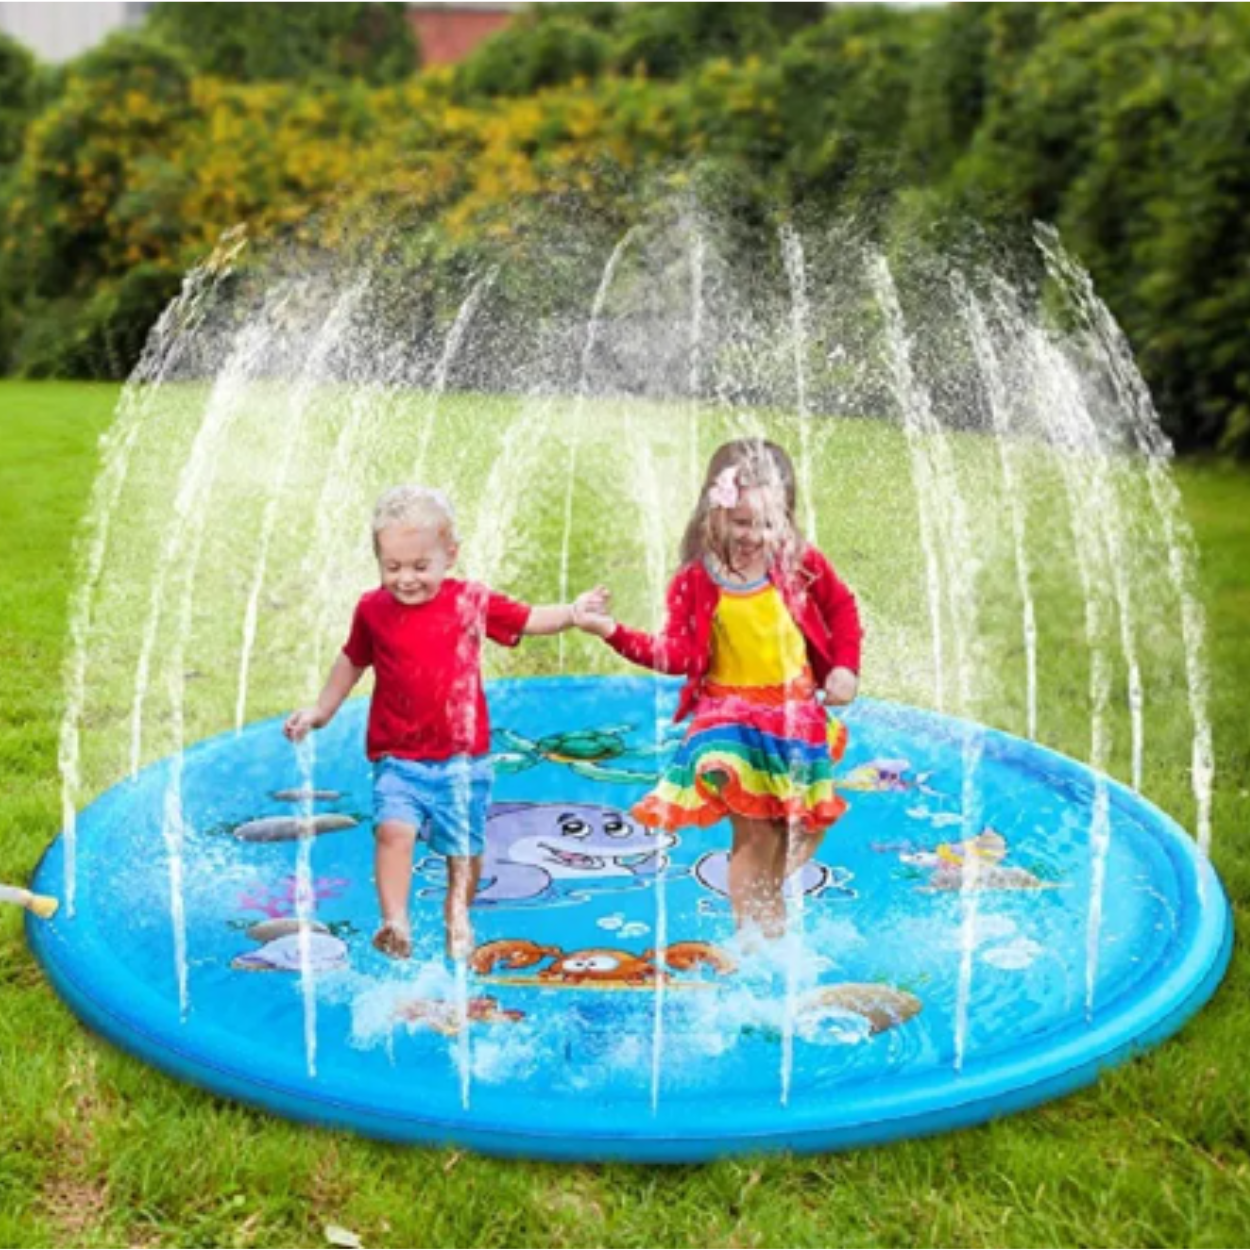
755	641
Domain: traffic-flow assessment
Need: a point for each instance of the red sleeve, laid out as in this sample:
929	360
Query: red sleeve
505	619
838	609
675	648
359	645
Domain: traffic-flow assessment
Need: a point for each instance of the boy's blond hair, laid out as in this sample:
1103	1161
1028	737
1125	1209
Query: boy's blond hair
415	507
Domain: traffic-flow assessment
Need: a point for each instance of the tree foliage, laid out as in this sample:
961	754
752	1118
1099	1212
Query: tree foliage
557	43
18	85
1127	126
1124	124
535	52
264	42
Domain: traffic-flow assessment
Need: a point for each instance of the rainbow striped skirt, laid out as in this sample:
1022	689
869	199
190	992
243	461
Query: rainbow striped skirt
764	752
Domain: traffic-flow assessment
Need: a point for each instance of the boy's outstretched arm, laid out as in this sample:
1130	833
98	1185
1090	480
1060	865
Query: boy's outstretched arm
556	618
343	676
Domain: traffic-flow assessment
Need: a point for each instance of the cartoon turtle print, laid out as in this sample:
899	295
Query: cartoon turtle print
586	752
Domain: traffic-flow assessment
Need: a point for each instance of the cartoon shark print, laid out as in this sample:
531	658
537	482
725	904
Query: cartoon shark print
533	849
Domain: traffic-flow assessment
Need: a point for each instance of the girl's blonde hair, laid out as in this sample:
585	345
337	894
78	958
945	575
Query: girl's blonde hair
415	507
755	463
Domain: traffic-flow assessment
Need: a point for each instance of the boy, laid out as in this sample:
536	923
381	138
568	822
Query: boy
429	732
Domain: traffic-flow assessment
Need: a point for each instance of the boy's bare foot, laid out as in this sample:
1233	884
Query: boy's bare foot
393	940
459	939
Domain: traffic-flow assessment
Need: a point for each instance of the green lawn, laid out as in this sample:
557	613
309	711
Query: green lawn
98	1149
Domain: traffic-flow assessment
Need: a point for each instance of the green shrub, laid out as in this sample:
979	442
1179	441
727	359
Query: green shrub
532	53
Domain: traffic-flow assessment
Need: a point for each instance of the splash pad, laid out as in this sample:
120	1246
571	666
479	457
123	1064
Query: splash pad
943	968
991	924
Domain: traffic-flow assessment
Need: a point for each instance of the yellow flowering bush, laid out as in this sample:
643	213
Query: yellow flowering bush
150	175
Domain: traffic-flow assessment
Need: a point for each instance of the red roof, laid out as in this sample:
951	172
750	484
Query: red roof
449	32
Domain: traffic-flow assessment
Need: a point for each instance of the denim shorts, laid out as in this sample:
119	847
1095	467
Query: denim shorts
445	798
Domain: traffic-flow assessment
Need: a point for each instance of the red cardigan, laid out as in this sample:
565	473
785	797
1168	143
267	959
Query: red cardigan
821	604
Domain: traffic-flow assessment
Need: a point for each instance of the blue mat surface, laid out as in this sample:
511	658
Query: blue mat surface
612	1014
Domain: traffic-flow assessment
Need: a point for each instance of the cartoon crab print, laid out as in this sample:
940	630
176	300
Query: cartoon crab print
601	966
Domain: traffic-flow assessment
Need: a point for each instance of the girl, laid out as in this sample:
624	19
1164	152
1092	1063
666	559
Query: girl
761	627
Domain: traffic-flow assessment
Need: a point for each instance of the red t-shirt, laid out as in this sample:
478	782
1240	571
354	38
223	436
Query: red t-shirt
428	702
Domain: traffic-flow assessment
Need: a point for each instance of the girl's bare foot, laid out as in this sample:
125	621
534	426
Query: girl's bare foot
393	939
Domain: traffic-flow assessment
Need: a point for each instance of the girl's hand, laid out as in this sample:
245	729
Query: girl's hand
299	723
590	612
598	601
841	687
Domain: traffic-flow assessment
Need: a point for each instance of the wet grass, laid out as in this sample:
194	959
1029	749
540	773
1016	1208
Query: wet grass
98	1149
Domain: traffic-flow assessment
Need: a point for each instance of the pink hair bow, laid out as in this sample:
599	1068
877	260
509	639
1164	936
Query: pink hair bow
723	493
